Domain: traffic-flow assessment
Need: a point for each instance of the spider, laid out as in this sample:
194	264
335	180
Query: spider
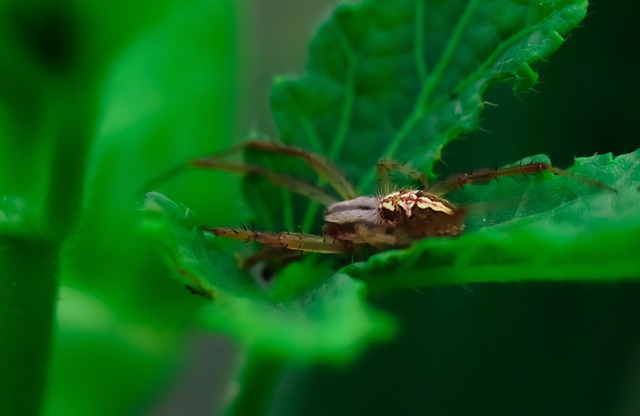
393	218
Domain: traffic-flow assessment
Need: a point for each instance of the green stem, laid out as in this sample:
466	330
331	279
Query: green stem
256	382
28	288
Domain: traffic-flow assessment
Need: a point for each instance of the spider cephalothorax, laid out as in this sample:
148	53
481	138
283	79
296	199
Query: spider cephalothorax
395	218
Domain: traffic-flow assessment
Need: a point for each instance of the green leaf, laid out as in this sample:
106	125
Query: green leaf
324	318
561	230
167	95
401	79
397	79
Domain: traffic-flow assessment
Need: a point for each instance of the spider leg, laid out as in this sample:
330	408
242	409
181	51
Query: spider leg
455	182
321	166
269	254
384	169
285	181
290	241
374	237
325	169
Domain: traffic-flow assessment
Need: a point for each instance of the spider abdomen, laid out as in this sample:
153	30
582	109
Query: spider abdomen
420	213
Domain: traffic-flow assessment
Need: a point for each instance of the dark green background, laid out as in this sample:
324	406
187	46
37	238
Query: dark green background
126	340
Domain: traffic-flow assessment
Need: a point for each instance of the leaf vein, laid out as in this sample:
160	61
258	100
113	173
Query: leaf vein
418	111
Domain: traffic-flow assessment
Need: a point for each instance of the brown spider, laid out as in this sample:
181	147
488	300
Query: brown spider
395	218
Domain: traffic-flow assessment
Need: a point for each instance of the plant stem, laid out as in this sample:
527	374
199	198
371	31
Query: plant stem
256	382
28	287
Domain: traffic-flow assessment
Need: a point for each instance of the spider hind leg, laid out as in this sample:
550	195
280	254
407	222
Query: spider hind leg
455	182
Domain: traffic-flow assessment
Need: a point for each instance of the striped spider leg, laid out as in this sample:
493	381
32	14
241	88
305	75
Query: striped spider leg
393	218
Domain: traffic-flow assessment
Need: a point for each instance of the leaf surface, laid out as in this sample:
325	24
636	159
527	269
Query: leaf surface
324	319
401	79
561	230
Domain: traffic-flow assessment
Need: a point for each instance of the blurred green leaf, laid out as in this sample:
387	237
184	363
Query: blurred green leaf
167	95
561	230
54	56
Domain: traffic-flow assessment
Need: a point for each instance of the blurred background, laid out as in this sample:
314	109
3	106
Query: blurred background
198	75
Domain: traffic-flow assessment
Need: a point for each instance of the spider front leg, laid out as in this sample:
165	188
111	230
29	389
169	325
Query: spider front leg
320	165
455	182
384	169
290	241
